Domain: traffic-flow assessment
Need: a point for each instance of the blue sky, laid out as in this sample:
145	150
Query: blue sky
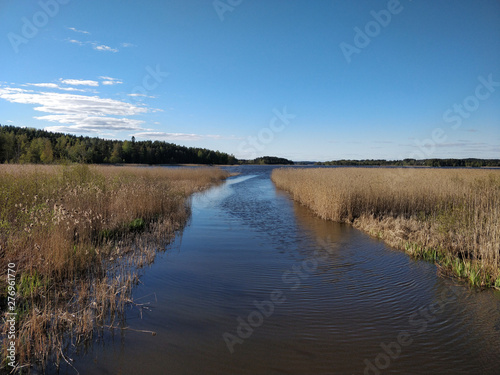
305	80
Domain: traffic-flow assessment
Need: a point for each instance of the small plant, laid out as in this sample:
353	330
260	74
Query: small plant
137	225
30	283
497	283
446	261
474	276
459	267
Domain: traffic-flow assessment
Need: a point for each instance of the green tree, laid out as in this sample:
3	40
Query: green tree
7	143
76	153
116	156
47	155
127	151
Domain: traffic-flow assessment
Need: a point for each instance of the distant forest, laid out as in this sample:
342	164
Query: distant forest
27	145
268	160
421	162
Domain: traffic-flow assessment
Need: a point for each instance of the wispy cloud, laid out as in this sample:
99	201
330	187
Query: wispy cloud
95	45
458	148
78	31
103	47
109	81
139	95
80	82
464	145
90	124
46	85
128	45
78	113
175	136
50	85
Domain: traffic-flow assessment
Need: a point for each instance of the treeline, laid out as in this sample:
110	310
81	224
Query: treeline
470	162
267	160
27	145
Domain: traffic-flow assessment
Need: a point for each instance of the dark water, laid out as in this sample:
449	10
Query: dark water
258	285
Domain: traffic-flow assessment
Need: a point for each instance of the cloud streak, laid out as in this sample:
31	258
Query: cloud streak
163	136
49	85
78	31
79	82
102	47
91	114
78	113
109	81
95	45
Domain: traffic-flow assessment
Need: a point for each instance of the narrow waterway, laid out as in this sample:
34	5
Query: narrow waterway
257	284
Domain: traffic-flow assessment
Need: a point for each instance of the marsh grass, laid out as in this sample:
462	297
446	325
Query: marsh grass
447	216
79	236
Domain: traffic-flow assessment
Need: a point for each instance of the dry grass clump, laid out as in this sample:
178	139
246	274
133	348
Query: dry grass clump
449	216
72	233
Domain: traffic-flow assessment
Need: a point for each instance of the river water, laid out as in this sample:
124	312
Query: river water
256	284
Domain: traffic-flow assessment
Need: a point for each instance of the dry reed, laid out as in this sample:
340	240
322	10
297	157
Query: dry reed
448	216
72	233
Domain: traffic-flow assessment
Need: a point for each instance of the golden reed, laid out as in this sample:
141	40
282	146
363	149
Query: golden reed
78	236
451	216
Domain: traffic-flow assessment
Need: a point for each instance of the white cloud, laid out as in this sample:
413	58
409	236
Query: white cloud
128	45
110	81
105	48
78	113
95	45
78	31
79	82
53	86
91	124
62	103
47	85
138	95
174	136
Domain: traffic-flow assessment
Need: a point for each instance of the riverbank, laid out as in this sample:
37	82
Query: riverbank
76	238
451	217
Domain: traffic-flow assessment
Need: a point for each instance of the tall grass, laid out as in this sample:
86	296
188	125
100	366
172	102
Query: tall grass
448	216
78	236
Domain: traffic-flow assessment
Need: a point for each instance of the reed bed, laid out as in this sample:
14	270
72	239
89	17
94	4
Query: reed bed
79	236
449	216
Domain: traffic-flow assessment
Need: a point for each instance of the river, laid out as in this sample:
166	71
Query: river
256	284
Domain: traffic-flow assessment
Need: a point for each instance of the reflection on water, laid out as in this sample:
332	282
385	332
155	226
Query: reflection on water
214	196
288	293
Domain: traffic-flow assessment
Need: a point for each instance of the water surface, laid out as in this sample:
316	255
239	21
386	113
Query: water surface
257	284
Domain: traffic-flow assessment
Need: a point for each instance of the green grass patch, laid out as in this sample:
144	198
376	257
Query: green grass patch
137	225
497	283
462	268
30	283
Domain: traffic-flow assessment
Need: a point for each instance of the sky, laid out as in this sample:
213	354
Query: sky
305	80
